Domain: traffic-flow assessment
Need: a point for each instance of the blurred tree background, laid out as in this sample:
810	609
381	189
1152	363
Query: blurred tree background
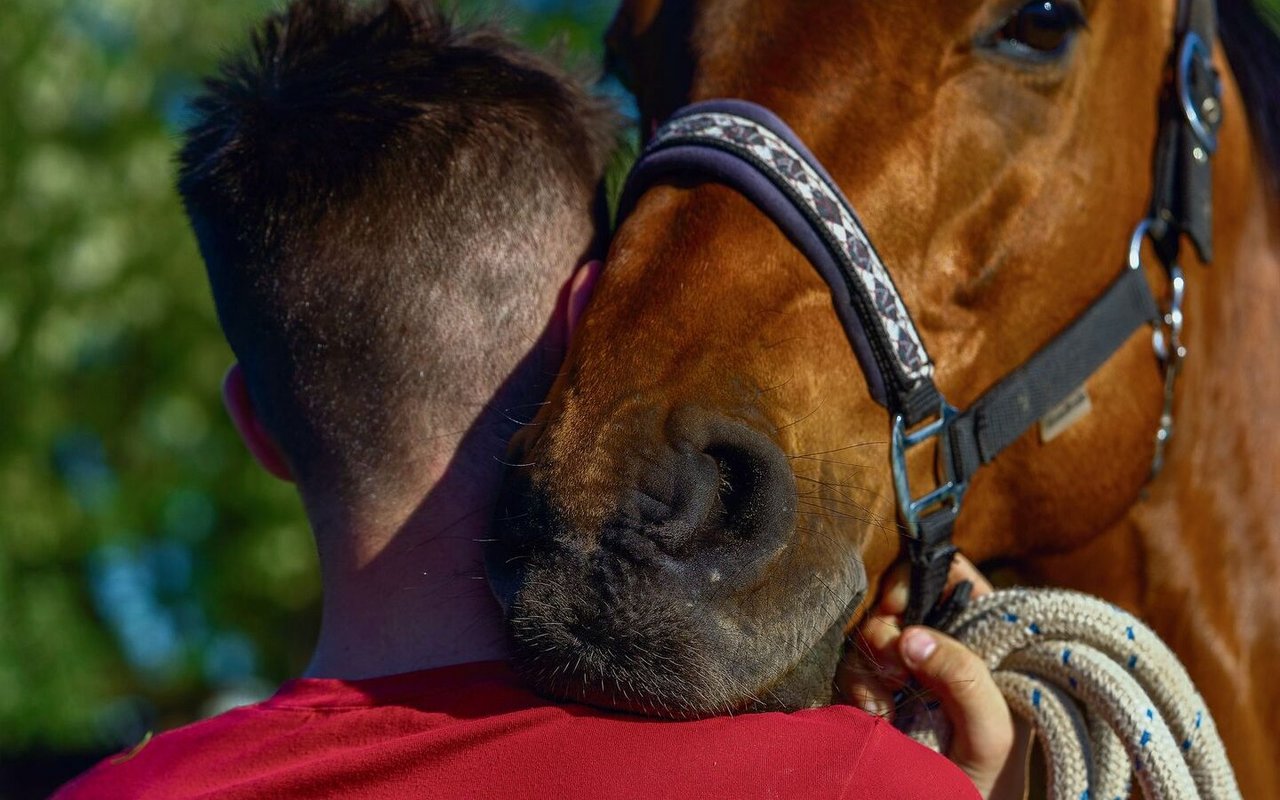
149	573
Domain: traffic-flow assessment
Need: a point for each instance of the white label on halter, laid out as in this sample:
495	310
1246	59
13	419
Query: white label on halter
1067	413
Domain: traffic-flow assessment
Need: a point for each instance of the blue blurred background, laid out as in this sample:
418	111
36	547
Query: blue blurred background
149	573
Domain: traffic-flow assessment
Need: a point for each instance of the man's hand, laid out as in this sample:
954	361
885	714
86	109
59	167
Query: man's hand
988	742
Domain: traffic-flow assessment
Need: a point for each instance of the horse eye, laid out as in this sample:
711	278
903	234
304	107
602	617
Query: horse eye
1041	29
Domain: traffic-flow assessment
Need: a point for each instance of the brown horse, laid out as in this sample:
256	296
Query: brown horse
705	502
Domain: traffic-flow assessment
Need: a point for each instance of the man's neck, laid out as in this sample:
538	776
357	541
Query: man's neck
411	594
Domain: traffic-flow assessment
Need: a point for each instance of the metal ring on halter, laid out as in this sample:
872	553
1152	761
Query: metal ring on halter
950	491
1195	50
1140	232
1173	317
1175	353
1159	342
1166	337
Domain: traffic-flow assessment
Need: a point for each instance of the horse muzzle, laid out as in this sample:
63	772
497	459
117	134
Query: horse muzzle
656	588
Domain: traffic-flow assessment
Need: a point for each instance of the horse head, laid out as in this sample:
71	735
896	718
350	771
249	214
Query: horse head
700	511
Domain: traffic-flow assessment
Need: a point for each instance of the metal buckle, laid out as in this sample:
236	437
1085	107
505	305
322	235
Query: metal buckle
949	492
1170	330
1166	338
1194	51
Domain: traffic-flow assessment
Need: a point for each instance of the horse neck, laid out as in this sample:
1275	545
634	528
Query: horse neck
1198	556
1219	504
1204	546
1214	512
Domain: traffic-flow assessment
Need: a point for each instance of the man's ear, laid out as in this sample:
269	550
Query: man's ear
571	301
581	287
235	396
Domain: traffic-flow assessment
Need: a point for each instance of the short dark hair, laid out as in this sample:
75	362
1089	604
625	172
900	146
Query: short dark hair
377	193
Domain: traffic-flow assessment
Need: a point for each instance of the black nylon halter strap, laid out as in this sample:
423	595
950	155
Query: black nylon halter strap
1191	111
1026	395
1005	412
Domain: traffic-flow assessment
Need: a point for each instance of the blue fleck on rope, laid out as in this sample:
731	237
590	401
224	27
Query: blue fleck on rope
1109	701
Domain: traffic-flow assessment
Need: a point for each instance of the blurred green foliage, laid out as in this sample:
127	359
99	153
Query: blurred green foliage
148	571
147	568
1271	10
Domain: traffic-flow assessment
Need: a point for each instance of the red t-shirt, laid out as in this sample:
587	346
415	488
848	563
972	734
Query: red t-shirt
473	731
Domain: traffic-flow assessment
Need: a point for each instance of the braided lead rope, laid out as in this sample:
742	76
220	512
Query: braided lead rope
1103	687
1054	652
1111	767
1052	709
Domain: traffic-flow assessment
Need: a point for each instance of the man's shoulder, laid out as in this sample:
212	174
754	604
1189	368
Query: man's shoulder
495	740
152	766
844	752
833	752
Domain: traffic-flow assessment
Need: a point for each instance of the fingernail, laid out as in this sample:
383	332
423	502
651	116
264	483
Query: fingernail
917	646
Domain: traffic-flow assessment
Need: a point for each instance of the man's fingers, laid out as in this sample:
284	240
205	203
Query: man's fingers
983	728
962	569
880	633
894	590
862	679
859	684
878	642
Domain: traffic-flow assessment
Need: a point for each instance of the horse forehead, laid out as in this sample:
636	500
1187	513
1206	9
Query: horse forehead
849	31
740	47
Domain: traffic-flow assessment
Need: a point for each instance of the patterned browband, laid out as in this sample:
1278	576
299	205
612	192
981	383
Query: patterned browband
749	149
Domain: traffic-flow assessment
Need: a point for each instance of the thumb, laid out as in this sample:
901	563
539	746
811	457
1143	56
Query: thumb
982	726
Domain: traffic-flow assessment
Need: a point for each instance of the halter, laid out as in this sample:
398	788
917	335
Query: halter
748	148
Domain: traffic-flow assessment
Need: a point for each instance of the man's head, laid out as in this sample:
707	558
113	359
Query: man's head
387	206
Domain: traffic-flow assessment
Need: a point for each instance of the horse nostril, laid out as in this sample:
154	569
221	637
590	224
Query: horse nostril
730	489
736	490
755	492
